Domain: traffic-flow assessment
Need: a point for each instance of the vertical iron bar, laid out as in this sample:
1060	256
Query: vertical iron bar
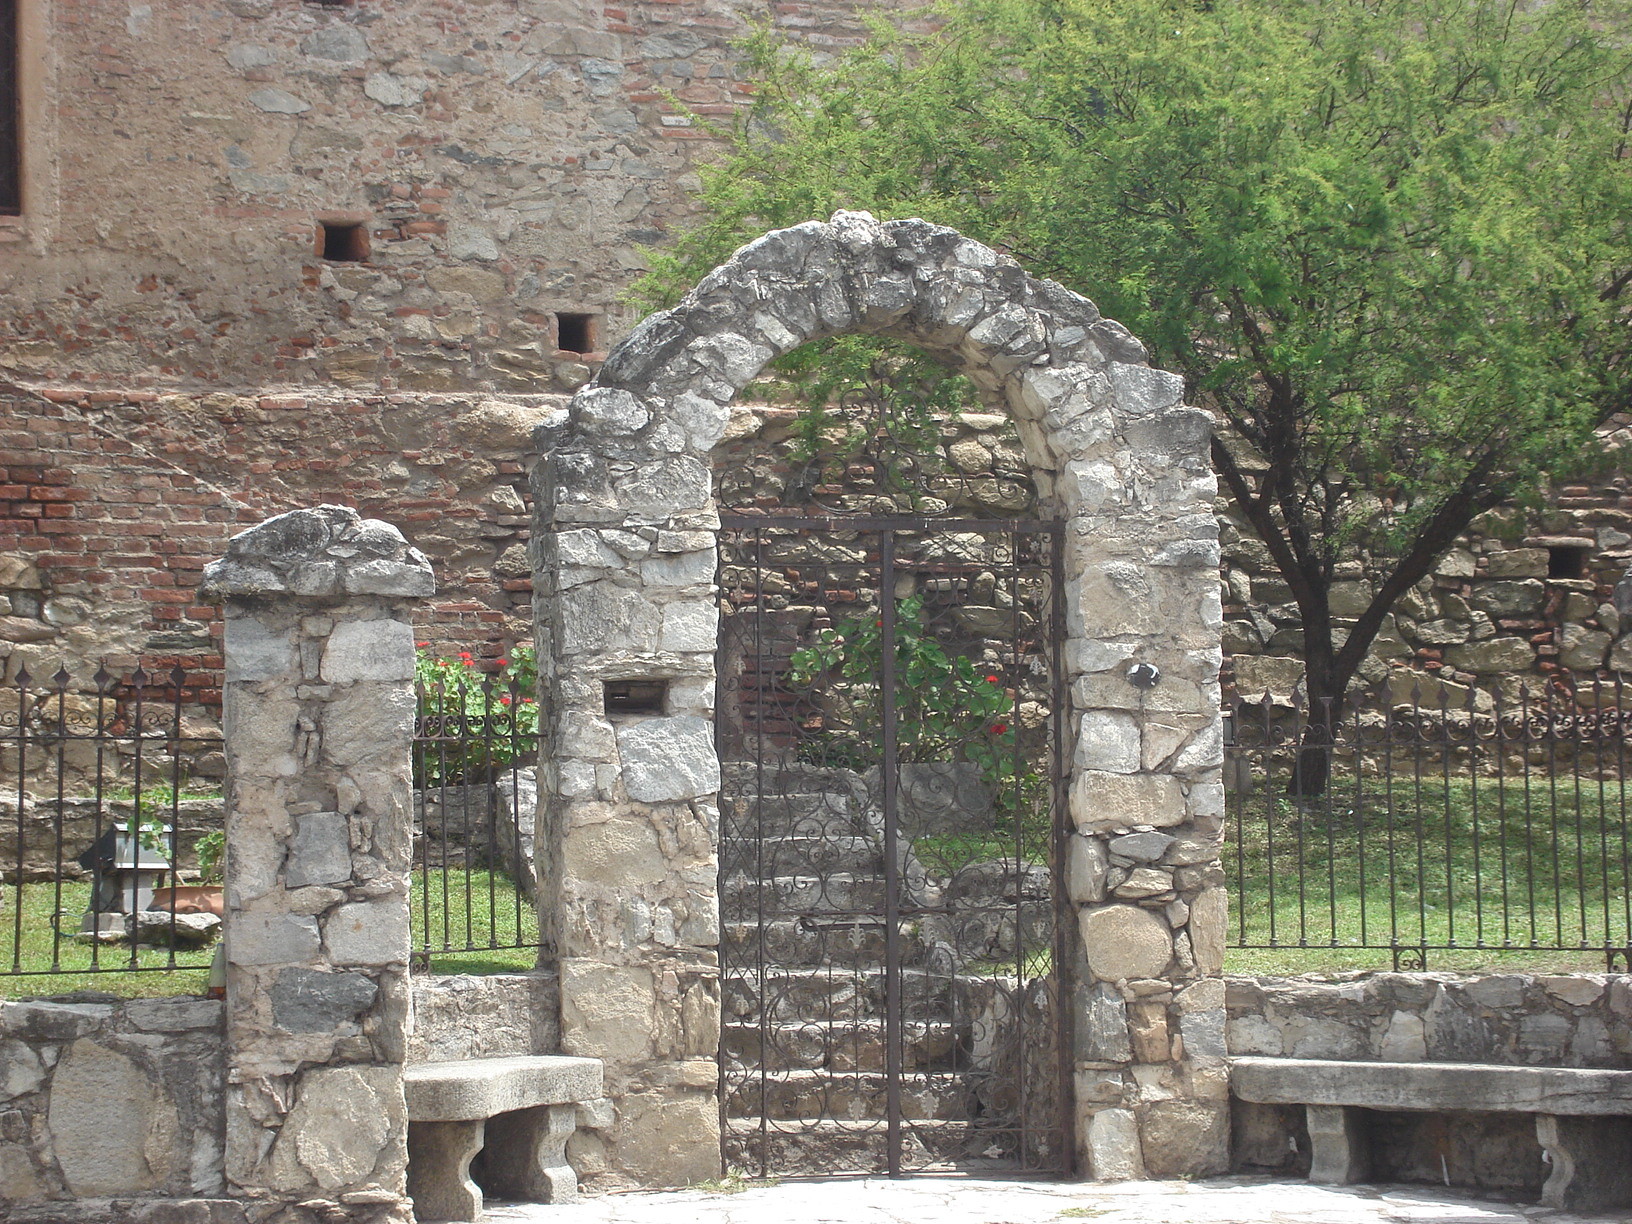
1388	825
1359	740
892	904
139	677
22	848
1445	802
1064	927
761	964
57	820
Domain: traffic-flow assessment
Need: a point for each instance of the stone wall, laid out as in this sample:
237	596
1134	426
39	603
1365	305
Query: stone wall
503	159
127	1099
491	1016
111	1098
1525	600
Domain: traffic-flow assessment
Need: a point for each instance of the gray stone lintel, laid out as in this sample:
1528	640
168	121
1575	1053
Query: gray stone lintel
479	1088
323	553
1472	1087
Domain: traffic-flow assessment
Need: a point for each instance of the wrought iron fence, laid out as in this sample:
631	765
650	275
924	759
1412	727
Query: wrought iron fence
1490	824
109	798
475	794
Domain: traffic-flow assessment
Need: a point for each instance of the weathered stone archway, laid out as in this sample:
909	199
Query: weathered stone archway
624	560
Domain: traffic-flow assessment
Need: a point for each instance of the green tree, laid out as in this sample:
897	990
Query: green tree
1385	241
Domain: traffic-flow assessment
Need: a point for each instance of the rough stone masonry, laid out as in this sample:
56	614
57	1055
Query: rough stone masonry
624	561
319	709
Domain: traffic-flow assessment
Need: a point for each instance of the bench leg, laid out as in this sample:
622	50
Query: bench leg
1591	1162
1339	1153
439	1156
526	1157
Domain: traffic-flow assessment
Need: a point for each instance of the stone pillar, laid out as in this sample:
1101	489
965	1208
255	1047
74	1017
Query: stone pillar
319	715
628	815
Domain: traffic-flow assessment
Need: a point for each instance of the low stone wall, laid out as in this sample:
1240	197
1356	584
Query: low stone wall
1520	1019
103	1099
125	1099
462	1016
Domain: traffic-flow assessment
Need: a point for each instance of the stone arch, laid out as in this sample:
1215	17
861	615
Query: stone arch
624	554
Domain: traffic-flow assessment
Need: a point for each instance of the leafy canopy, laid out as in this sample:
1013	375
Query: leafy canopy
1384	239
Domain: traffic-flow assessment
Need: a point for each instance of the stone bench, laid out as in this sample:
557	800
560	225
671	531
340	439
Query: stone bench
1583	1117
518	1112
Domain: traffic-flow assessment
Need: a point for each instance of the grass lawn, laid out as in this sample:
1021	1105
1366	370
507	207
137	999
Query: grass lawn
1492	868
454	917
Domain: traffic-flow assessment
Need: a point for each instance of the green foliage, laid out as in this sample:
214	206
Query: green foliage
1385	240
474	721
947	709
209	849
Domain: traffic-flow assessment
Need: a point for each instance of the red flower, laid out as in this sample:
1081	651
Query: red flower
878	624
466	657
999	728
501	662
421	645
504	701
991	680
528	701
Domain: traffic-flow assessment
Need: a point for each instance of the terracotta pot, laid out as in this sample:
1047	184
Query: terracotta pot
190	899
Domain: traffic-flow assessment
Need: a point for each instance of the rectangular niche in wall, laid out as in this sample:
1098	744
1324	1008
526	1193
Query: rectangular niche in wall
576	333
636	696
343	241
1567	560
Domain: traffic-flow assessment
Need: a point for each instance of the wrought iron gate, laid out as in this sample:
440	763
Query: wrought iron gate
890	722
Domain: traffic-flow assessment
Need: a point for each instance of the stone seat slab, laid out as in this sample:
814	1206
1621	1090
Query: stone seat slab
1472	1087
468	1090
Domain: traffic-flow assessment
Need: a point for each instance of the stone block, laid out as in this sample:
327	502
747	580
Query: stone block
1523	597
1256	675
1185	1138
1113	1149
1109	741
1517	563
1339	1150
1124	941
1492	656
257	650
1209	915
668	1139
369	650
373	932
320	851
1101	801
310	1001
668	759
348	1127
113	1129
271	939
607	1011
1086	869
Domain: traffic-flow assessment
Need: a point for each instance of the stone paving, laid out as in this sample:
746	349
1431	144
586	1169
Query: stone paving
930	1200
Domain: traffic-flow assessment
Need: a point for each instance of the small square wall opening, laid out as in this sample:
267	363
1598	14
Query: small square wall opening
343	241
575	333
1567	560
636	696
